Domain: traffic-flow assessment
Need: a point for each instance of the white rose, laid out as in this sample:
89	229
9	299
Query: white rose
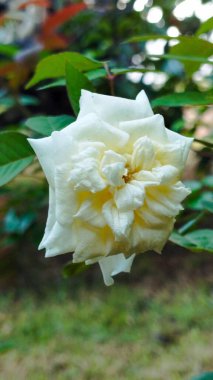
114	182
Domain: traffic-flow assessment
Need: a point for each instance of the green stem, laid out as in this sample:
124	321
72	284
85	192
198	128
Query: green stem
110	78
203	142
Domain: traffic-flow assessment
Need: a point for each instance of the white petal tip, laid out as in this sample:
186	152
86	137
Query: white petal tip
112	265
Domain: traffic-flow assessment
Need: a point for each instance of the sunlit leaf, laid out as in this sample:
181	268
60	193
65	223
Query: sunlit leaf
76	81
8	50
45	125
53	84
184	99
192	47
182	58
205	27
149	37
95	74
15	155
191	50
54	66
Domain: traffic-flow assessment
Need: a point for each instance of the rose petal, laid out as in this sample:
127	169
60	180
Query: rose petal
51	219
61	239
65	198
88	212
92	128
120	222
112	265
113	168
91	242
53	150
144	239
152	127
113	109
85	173
162	202
143	156
185	141
130	197
170	153
166	174
151	219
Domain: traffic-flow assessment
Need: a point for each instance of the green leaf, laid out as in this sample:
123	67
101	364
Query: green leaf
91	75
45	125
178	125
99	73
150	37
181	240
191	50
184	99
8	102
120	70
205	27
53	84
72	269
6	346
8	50
208	181
202	202
96	74
76	81
54	66
17	224
202	239
15	155
204	376
197	241
28	100
192	47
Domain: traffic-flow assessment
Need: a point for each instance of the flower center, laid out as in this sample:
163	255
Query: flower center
127	178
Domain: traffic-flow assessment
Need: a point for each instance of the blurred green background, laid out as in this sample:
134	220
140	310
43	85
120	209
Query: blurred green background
155	323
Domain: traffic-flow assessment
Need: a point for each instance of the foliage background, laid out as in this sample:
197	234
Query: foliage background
156	322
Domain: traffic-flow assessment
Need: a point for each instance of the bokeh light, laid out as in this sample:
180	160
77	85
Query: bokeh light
154	15
188	8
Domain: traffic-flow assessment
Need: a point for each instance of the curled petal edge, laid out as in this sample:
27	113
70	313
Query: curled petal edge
112	265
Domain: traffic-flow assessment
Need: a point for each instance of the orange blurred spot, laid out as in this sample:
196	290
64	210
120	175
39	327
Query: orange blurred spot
58	18
38	3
